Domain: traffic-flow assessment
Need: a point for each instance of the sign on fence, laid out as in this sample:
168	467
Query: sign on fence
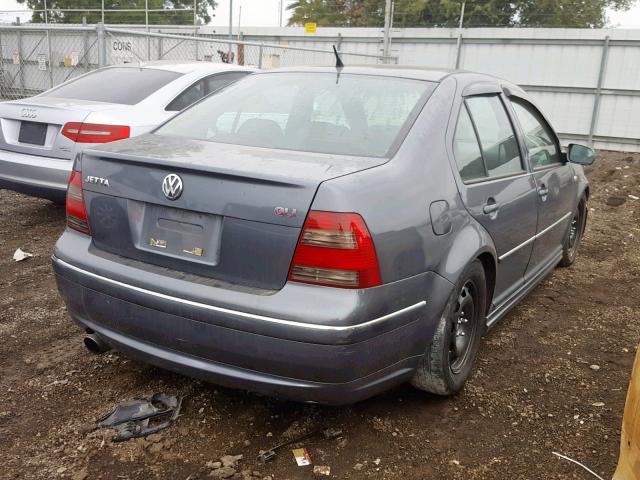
310	27
121	49
42	62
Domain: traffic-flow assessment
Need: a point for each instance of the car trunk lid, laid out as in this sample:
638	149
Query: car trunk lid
33	126
237	218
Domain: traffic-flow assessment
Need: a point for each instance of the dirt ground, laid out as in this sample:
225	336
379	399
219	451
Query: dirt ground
552	376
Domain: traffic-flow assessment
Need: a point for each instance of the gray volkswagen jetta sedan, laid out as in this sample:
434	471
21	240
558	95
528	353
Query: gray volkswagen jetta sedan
322	234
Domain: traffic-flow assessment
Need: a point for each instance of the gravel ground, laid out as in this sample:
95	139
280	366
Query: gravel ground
552	376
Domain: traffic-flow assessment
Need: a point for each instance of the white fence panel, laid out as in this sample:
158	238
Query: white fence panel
587	81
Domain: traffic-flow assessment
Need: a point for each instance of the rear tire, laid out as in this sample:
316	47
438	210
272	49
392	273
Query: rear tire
448	360
574	234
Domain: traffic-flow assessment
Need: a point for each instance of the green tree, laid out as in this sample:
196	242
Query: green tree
166	17
446	13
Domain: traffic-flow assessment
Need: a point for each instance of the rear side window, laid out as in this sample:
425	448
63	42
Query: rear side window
466	149
191	95
123	85
498	142
202	88
538	135
221	80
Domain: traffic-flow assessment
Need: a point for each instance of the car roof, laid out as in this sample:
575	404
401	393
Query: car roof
404	71
186	67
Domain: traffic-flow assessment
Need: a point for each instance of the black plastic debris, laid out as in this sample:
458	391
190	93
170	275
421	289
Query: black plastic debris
142	416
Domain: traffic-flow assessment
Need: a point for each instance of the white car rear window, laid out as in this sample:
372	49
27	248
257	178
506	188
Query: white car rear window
123	85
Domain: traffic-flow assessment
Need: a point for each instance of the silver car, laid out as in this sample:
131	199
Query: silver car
41	135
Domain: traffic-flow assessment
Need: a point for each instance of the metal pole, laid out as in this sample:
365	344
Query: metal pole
195	12
260	56
46	16
85	44
459	41
230	26
20	62
386	44
281	12
598	95
102	45
146	21
102	11
1	67
50	60
239	18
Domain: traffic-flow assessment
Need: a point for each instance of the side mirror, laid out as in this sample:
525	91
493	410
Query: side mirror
580	154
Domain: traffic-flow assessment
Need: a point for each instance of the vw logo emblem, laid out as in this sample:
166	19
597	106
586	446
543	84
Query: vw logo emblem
172	186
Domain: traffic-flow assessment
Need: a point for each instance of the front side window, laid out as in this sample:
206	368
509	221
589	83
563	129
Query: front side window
538	135
500	150
308	111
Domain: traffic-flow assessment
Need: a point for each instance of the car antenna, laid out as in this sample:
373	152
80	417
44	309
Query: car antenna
339	63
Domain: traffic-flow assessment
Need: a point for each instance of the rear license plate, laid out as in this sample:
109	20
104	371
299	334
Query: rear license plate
33	133
176	233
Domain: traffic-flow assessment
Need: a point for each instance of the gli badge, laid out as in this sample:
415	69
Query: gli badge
285	212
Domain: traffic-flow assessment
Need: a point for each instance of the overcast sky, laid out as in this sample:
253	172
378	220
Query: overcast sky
265	13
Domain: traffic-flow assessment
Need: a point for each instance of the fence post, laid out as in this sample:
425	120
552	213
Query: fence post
160	46
598	94
197	46
50	59
20	63
458	50
85	45
102	45
2	74
260	56
240	49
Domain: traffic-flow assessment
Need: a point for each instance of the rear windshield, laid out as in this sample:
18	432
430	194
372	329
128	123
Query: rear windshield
315	112
124	85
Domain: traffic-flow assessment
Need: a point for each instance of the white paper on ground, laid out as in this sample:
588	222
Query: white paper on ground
20	255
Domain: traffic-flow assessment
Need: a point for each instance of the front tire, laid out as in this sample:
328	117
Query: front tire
574	234
448	360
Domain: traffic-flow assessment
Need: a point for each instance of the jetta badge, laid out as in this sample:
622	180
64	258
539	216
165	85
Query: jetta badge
172	186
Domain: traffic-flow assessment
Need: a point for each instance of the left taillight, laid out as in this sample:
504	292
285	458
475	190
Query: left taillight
77	218
335	249
95	132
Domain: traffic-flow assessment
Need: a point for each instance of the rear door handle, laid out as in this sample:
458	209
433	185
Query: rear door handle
543	191
490	207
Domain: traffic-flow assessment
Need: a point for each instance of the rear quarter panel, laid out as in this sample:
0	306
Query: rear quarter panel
394	200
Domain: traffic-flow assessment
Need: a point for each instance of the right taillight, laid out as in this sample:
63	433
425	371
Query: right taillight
95	132
76	212
335	249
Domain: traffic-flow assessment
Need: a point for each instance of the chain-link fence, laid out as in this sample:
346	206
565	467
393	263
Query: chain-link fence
135	46
36	58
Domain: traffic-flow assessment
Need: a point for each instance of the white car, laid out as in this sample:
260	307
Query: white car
41	135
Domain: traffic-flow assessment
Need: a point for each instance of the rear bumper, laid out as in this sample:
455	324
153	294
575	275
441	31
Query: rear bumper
302	342
34	175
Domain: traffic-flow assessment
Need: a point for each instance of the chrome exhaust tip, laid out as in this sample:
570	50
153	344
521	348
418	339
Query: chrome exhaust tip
95	344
